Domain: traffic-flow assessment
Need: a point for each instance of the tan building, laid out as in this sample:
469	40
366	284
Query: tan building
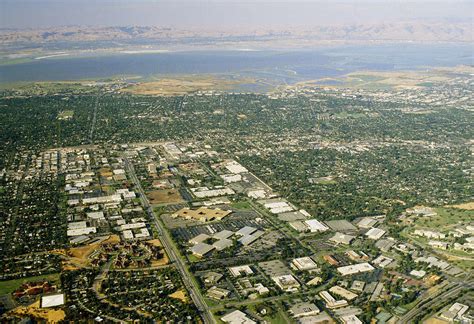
202	214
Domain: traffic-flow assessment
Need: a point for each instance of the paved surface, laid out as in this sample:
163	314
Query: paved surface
171	250
427	302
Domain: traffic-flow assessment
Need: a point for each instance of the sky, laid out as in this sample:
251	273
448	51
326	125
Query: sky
227	13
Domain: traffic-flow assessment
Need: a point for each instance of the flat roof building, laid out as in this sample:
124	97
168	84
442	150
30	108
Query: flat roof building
315	226
341	225
249	239
237	317
241	270
202	214
367	222
315	281
304	309
217	293
52	300
235	167
224	234
222	244
350	319
382	261
375	233
247	230
199	239
304	263
81	231
340	238
201	249
355	268
287	283
344	293
76	225
330	301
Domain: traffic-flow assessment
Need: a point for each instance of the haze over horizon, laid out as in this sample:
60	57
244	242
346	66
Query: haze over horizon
223	14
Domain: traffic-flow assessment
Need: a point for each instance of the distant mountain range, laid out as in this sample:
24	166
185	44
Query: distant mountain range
390	32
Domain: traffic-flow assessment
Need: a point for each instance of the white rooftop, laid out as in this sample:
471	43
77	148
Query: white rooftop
314	225
52	300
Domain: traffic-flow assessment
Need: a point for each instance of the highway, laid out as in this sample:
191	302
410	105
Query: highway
434	300
171	250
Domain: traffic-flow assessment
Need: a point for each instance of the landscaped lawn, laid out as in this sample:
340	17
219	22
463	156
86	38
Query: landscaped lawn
7	287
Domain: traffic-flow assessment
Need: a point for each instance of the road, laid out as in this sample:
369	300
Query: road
171	250
94	118
434	300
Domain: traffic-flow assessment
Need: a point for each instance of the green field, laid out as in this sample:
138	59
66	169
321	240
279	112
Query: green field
7	287
446	219
66	114
241	205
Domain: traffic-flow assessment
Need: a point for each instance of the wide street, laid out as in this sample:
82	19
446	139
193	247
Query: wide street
170	249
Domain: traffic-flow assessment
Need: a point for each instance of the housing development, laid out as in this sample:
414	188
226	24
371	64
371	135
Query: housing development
309	211
240	162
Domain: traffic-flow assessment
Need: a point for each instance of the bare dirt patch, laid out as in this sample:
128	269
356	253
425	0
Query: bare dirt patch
78	257
179	86
466	206
181	295
164	196
163	261
48	315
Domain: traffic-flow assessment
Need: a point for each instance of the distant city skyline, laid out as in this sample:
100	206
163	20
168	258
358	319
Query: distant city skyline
224	14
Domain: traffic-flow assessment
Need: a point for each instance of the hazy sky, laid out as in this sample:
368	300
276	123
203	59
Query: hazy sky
225	13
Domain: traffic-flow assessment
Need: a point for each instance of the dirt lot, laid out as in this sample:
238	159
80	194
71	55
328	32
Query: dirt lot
78	256
164	260
106	172
178	86
181	295
43	314
164	196
466	206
